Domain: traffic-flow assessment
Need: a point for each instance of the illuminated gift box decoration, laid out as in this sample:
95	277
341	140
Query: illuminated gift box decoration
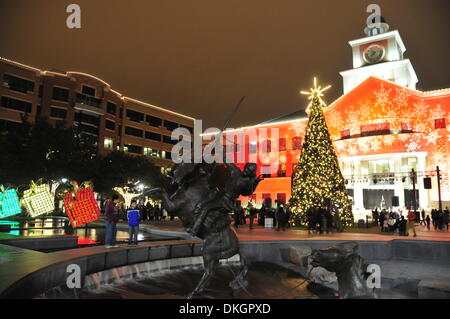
81	206
9	202
38	200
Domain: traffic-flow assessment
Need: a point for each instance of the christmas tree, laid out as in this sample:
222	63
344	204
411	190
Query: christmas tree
318	177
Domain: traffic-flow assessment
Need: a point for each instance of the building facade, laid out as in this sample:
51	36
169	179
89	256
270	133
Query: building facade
382	129
89	103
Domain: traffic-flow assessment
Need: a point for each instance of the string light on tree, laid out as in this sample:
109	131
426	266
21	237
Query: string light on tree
318	176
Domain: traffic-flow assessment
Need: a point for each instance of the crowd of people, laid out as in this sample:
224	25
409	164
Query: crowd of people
395	221
147	212
318	219
279	215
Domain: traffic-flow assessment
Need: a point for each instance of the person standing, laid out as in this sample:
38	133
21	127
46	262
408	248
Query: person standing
428	220
329	220
251	214
280	216
411	221
236	217
133	224
111	219
446	217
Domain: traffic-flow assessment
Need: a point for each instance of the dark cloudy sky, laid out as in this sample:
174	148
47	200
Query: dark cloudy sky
199	57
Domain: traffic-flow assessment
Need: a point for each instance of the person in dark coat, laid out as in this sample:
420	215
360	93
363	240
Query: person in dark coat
329	220
111	219
251	214
310	219
280	215
428	221
402	226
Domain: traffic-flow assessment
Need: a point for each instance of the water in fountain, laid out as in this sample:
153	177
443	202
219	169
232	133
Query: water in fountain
152	281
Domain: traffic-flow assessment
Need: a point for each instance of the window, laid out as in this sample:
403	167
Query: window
281	198
6	125
60	94
16	104
439	123
129	148
375	129
282	170
110	125
88	90
267	146
108	143
168	140
266	171
41	91
135	116
86	118
151	152
282	144
381	166
153	136
296	142
58	113
111	108
87	128
407	128
18	84
167	155
252	147
170	125
88	100
190	129
133	131
153	120
345	134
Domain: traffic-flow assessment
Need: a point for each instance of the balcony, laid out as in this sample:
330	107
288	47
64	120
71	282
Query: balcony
88	104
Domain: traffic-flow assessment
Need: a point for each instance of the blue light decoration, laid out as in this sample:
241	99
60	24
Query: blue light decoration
9	202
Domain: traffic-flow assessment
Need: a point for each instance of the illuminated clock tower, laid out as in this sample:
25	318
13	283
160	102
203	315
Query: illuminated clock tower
379	54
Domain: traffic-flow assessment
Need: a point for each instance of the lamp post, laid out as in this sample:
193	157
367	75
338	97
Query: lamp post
413	178
439	186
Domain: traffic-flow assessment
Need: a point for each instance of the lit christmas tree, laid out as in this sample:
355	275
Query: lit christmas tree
318	175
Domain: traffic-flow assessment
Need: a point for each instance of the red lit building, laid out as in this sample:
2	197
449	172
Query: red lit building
381	129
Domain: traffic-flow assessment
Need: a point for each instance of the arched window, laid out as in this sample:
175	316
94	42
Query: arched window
267	146
296	143
282	144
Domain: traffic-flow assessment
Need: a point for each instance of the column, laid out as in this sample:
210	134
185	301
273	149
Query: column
358	188
398	186
424	199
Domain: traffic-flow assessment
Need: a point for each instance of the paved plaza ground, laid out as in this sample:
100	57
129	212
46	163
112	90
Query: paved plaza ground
294	233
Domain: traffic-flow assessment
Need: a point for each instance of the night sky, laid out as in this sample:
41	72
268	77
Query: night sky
198	57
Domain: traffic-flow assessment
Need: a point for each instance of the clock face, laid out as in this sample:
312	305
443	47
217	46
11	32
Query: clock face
374	54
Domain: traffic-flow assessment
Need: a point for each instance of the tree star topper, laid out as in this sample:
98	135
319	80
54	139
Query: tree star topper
316	91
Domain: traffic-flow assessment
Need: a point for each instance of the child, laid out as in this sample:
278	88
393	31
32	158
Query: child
133	223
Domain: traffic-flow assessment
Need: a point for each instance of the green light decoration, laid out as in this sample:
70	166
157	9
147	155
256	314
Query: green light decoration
9	202
318	176
38	200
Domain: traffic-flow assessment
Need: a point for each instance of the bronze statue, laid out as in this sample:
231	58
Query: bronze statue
203	198
350	270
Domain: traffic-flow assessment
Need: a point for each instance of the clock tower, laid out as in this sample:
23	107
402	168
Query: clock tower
379	54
